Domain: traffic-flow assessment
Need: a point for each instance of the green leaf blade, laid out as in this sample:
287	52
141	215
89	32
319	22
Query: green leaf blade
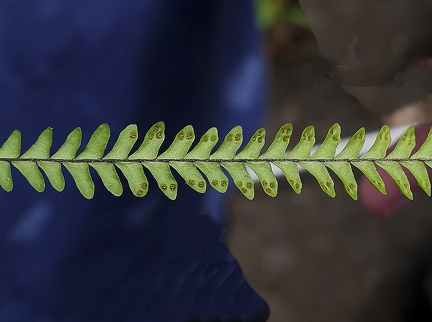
418	170
11	148
380	146
96	146
54	174
80	172
241	178
395	171
353	147
266	176
109	176
151	144
344	172
371	173
180	145
69	148
216	177
125	141
320	173
253	147
135	176
28	168
166	181
404	146
6	181
204	147
278	147
30	171
230	145
327	149
191	175
291	173
304	147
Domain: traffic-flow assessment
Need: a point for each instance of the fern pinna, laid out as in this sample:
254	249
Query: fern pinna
199	162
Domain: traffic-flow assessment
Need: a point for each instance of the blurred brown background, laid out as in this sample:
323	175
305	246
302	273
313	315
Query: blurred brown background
311	257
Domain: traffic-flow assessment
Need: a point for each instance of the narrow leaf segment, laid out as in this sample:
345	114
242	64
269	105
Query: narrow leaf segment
203	165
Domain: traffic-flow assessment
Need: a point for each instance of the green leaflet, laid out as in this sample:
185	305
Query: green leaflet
325	151
29	168
216	177
417	168
262	169
11	148
402	150
225	156
120	151
377	151
277	150
200	166
343	169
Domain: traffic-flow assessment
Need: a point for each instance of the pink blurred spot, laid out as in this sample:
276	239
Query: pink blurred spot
426	62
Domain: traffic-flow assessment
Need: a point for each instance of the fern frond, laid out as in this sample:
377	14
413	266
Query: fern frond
200	166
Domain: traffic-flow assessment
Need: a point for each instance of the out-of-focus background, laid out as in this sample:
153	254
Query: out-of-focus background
311	257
